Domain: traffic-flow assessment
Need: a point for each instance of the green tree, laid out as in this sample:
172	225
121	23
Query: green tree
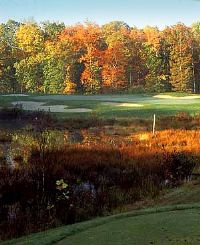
156	79
179	40
52	30
29	73
136	68
196	56
8	56
53	75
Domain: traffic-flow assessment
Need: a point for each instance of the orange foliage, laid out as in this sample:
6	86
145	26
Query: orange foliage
114	63
167	141
86	40
140	149
153	37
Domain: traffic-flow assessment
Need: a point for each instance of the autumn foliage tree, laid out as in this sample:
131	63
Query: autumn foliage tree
115	58
86	58
30	42
71	50
91	38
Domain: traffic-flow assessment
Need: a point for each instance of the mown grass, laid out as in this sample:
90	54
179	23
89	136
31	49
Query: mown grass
177	224
173	227
151	105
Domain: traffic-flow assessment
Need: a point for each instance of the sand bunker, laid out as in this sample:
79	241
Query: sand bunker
21	95
163	96
122	104
78	110
35	106
28	105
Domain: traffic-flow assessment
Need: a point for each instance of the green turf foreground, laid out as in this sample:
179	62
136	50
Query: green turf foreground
172	225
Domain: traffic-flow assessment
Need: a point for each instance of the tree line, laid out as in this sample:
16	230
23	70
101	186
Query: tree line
87	58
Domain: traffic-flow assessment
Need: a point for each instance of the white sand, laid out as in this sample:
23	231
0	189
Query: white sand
122	104
28	105
78	110
35	106
18	95
163	96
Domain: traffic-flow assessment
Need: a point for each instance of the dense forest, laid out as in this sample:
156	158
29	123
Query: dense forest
86	58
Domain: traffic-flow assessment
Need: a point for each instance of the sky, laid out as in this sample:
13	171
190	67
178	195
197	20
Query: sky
137	13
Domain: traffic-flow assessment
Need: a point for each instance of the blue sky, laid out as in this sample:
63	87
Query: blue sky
134	12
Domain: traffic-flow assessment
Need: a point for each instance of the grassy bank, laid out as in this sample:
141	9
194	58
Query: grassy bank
165	221
177	224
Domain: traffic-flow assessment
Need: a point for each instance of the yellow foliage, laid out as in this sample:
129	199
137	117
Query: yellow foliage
70	88
30	38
